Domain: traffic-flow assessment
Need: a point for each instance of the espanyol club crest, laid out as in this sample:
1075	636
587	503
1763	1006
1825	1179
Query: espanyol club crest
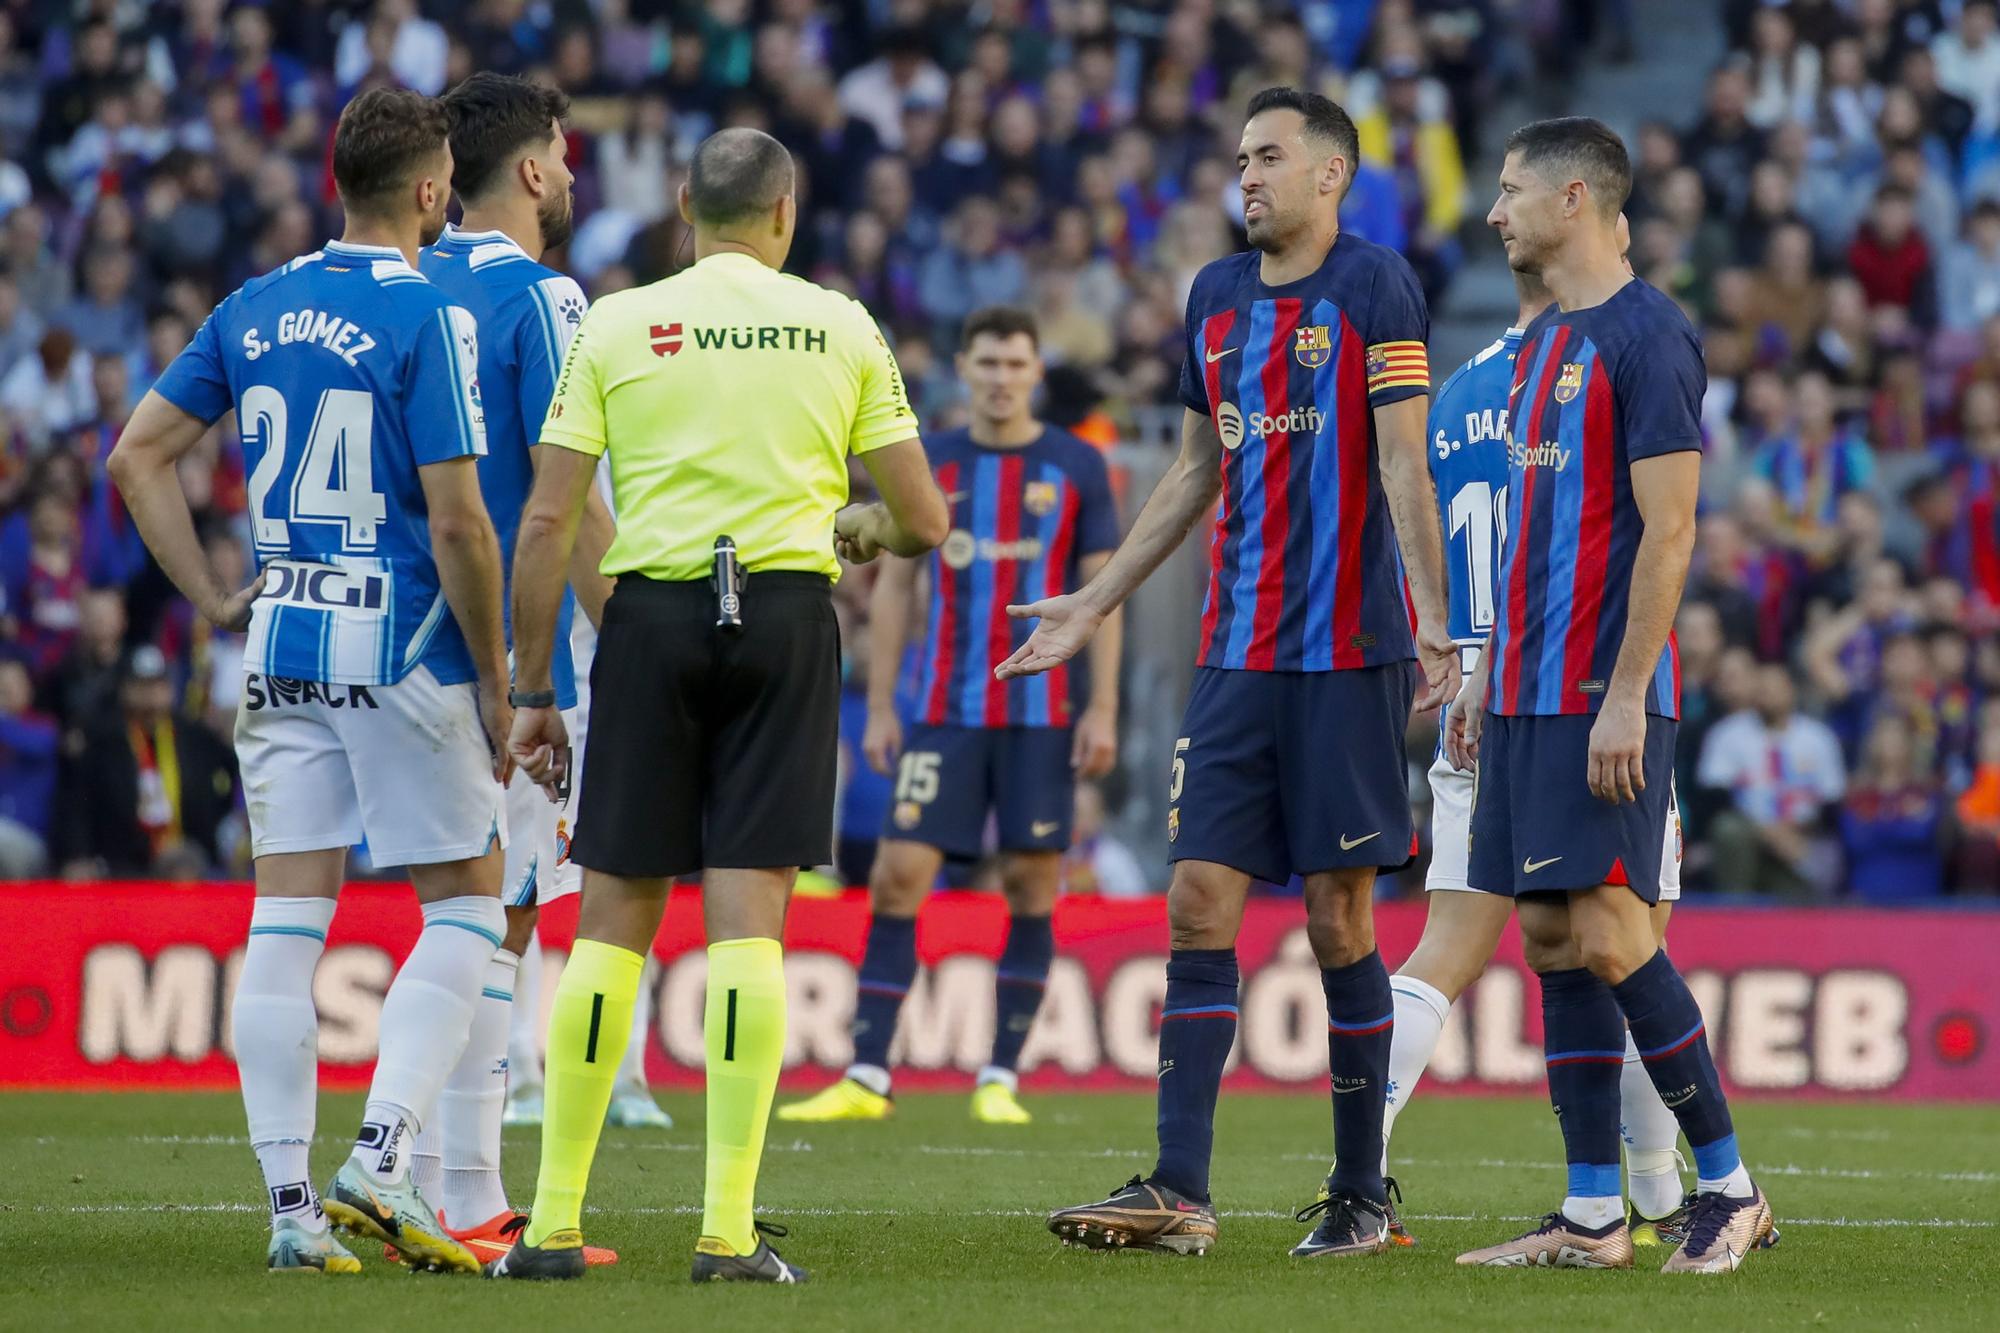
1570	383
1039	498
1314	345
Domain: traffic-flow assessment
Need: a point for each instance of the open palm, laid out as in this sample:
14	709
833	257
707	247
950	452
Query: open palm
1066	626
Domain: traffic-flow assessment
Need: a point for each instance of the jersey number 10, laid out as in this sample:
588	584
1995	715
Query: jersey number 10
334	481
1480	512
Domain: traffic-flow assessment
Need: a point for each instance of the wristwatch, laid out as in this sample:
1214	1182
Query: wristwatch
531	698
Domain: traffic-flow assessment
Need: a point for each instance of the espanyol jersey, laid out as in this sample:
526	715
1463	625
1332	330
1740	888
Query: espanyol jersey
1302	566
348	371
1020	521
1468	453
526	312
1594	390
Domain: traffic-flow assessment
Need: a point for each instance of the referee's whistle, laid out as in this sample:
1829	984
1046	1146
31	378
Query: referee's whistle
727	580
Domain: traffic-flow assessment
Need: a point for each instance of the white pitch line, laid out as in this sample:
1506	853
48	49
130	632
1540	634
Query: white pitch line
692	1210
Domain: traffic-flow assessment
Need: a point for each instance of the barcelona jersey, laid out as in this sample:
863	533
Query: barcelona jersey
1594	391
1020	521
1303	574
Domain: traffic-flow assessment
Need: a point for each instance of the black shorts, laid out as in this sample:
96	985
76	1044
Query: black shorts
949	778
706	749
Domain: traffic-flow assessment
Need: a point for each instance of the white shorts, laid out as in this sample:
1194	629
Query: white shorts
1451	834
538	867
403	767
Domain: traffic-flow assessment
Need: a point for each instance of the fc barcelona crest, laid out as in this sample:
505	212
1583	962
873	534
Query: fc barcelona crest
1313	345
1039	498
1570	382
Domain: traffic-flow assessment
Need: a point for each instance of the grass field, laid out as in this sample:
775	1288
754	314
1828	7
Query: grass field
140	1212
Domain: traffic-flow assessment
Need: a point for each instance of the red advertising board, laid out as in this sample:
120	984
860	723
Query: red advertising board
128	986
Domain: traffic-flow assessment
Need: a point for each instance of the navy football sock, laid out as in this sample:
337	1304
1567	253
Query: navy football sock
888	969
1360	1022
1584	1035
1197	1028
1018	983
1667	1027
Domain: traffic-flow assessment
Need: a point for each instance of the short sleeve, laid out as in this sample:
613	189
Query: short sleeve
883	416
195	381
1658	383
1194	387
1397	335
555	309
575	417
1097	510
441	391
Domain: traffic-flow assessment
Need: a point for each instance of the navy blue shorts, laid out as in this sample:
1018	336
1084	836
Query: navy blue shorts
949	778
1536	827
1284	772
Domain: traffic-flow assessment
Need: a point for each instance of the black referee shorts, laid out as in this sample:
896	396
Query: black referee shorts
708	749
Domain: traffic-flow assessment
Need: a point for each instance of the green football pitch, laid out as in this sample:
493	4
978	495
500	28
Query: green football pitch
138	1212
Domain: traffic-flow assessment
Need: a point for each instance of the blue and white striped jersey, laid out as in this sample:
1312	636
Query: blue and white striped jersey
526	312
348	371
1468	456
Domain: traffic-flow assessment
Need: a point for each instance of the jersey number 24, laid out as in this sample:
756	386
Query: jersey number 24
334	479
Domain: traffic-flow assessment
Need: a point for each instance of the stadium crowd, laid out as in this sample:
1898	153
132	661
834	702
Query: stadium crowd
1831	215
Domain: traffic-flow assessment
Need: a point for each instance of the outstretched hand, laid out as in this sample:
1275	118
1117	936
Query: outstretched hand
1067	624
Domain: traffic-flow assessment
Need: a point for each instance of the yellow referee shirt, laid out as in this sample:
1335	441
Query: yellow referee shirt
728	398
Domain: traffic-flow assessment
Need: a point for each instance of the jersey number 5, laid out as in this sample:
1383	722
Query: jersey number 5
334	481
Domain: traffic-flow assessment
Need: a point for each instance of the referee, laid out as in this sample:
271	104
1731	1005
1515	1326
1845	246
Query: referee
728	398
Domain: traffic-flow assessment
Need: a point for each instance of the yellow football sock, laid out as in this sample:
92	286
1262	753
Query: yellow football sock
588	1029
744	1030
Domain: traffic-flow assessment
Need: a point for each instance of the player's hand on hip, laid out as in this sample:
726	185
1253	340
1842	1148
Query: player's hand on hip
882	739
1618	752
1464	723
1094	749
854	534
1067	624
1438	656
539	743
496	715
233	612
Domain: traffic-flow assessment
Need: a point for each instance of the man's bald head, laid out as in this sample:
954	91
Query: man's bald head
737	175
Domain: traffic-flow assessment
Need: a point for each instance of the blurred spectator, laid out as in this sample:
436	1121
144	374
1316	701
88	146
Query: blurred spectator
20	328
1968	61
1890	258
901	76
149	790
27	775
417	48
1423	155
45	583
1781	769
969	271
1817	463
1096	861
1891	825
1724	145
48	394
1969	277
1976	861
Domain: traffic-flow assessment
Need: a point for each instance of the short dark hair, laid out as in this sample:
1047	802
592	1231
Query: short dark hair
1001	321
737	173
1326	120
1578	148
493	118
384	135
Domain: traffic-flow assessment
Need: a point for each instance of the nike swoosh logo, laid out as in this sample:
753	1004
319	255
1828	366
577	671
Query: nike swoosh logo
1678	1101
1347	846
1043	829
1529	865
1214	357
1338	1090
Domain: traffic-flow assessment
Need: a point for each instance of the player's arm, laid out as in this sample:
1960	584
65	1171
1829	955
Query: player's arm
594	531
1183	495
1095	749
544	340
890	602
910	518
467	553
1665	488
143	467
1413	508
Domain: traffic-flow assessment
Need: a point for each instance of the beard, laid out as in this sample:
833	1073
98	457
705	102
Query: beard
1531	253
557	219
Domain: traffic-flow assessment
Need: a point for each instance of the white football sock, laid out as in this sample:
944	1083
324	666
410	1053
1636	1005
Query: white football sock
1006	1078
1736	1184
470	1107
1593	1213
426	1019
525	1022
632	1069
872	1077
1652	1165
276	1035
1421	1010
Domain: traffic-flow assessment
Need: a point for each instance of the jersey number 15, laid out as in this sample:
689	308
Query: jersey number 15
332	482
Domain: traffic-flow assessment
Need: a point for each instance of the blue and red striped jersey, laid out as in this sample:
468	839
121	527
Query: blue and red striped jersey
1594	390
1303	573
1020	520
